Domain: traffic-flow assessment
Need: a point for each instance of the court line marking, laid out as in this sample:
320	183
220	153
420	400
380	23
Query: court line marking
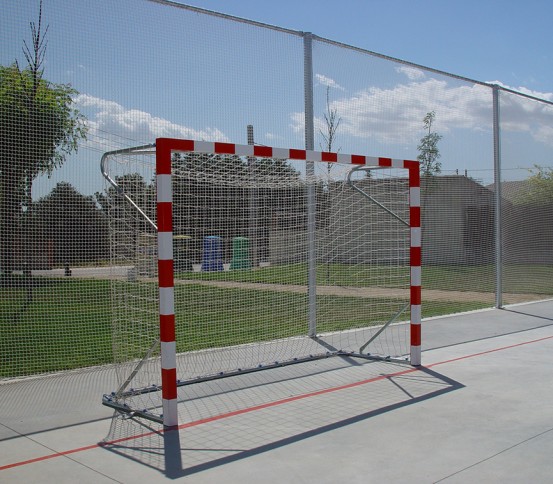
268	405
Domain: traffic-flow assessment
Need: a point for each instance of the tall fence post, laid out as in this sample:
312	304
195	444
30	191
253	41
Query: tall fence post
252	204
497	194
310	174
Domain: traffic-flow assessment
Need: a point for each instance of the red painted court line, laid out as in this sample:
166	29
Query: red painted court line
267	405
502	348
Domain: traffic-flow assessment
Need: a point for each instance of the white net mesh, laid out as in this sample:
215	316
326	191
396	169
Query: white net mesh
241	252
176	71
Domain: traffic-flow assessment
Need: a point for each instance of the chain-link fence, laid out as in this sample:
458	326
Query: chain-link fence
79	83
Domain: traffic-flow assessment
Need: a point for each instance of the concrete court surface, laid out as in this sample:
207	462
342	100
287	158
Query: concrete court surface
479	410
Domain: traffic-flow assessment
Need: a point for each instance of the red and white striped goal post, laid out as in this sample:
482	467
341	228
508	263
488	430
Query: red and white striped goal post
165	148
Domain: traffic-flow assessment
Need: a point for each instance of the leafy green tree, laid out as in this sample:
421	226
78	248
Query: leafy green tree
539	189
74	223
40	127
428	148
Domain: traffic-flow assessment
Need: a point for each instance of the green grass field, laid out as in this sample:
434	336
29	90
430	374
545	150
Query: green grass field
68	323
519	279
66	326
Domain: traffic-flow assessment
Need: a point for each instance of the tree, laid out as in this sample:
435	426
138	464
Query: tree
40	127
428	148
74	223
539	189
332	123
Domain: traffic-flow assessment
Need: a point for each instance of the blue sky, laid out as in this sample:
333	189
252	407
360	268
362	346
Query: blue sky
145	70
487	40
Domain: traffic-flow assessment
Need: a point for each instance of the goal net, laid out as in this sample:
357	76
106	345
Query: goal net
228	259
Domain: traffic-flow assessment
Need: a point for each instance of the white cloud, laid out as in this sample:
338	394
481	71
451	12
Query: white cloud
112	125
547	96
520	114
412	73
298	122
394	115
544	134
328	82
273	137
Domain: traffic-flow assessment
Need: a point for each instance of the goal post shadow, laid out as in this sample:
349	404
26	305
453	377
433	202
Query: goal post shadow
176	163
188	448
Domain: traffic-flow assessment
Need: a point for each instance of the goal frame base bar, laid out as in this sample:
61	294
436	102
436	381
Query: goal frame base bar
110	400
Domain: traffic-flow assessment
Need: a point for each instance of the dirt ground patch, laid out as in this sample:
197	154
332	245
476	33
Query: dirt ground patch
343	291
374	292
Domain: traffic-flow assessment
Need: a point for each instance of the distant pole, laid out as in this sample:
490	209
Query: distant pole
310	175
253	201
497	184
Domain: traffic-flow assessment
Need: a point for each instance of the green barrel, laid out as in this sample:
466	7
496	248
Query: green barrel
240	253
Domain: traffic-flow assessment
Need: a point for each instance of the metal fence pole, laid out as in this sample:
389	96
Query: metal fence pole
252	209
498	215
310	175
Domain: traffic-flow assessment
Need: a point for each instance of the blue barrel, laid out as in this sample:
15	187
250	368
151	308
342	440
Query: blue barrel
213	254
